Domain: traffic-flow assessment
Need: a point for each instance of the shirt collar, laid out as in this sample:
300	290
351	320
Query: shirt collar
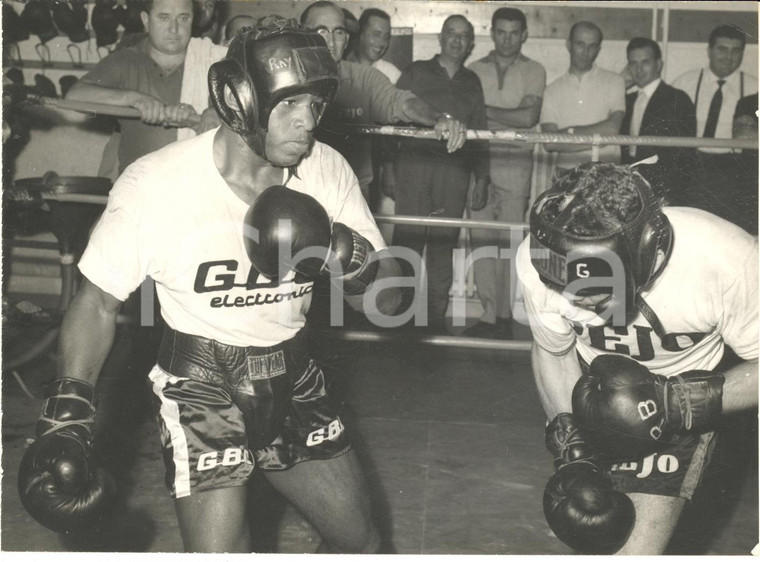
590	73
651	87
713	78
491	57
440	67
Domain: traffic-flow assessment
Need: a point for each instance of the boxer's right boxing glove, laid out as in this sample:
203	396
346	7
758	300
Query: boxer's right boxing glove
580	505
293	232
57	483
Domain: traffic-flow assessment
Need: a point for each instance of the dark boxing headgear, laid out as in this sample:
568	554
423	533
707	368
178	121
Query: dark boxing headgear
263	66
578	246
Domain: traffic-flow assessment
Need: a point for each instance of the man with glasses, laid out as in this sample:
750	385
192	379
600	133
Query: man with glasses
366	96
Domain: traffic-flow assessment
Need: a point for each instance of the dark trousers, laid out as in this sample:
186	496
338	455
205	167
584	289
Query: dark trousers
726	185
431	185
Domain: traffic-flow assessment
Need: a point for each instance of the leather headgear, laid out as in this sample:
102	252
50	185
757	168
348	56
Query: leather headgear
263	66
562	257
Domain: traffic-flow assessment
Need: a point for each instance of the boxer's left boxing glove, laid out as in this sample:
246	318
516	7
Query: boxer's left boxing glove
581	506
294	232
626	411
57	482
350	264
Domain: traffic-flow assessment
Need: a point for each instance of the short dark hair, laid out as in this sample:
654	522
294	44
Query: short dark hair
230	25
368	13
728	31
643	43
587	24
602	195
459	16
509	14
319	4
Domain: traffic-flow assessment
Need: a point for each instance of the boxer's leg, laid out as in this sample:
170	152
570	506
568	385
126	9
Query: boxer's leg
214	521
333	497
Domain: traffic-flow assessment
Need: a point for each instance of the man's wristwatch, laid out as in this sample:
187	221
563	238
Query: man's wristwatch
446	116
571	130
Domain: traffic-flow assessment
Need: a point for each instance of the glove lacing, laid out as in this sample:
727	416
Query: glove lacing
58	425
686	416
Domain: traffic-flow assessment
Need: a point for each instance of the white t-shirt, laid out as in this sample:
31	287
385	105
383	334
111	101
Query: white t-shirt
171	216
709	286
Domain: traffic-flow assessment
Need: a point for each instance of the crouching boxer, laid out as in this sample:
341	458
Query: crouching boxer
631	306
234	387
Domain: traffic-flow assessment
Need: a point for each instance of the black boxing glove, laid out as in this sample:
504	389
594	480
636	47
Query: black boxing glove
350	263
57	483
294	232
628	412
580	505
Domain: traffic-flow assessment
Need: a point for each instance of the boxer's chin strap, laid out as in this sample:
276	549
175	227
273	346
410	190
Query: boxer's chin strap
649	314
668	341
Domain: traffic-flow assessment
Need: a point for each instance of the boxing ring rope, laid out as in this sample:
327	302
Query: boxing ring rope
508	136
457	341
532	137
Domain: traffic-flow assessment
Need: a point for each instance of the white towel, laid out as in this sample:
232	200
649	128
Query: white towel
202	52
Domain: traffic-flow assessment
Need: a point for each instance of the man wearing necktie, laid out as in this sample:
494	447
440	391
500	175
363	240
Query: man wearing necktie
715	91
657	109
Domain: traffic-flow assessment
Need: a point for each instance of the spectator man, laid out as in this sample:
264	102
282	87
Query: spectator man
371	46
658	109
715	90
432	182
150	76
513	86
366	96
373	42
586	100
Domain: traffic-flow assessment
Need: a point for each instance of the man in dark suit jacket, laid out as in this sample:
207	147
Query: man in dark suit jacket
658	109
